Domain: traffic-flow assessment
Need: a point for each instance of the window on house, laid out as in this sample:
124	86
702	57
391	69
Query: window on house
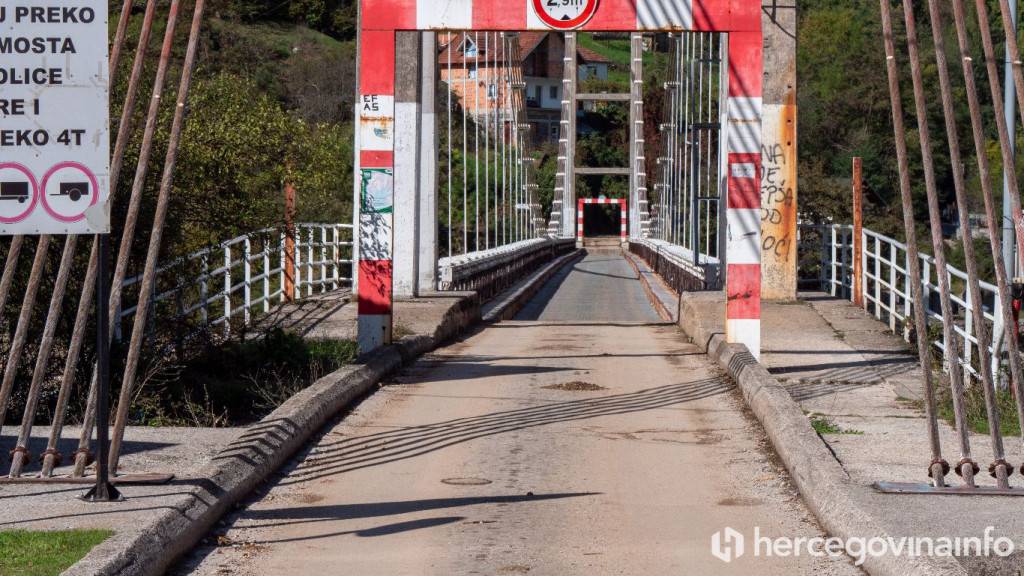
469	48
472	73
492	92
553	92
537	93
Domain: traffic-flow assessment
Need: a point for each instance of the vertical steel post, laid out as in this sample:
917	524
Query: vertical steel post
289	242
1009	112
636	131
743	197
375	175
103	490
858	234
569	123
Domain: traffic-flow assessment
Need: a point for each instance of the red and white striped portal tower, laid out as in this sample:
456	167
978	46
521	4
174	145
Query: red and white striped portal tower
380	20
623	214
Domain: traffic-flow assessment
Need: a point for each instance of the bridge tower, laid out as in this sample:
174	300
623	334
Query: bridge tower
392	147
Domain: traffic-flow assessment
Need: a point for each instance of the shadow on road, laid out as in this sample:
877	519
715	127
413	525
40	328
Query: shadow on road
338	457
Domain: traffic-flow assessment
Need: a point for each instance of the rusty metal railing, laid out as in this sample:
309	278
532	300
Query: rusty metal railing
244	277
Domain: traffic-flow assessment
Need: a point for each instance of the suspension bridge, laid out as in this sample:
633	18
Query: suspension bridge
562	367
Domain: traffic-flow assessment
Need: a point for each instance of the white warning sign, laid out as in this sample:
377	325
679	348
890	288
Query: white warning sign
54	117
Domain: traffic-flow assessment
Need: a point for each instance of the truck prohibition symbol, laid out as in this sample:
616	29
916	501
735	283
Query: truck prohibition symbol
14	191
73	190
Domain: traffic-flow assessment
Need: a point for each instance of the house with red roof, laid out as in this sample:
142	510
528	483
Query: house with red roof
478	67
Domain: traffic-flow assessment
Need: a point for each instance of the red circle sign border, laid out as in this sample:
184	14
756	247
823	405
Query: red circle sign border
92	180
35	192
573	24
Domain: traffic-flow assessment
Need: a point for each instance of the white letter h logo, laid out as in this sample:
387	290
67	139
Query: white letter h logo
727	545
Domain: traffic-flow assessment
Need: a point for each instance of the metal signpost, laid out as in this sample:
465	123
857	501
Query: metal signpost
55	147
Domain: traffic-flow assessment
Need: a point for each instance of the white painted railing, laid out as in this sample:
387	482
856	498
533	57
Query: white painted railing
885	283
244	277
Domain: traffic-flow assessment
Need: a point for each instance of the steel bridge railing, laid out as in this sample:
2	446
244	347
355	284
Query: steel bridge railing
677	265
687	207
827	261
490	272
486	196
241	278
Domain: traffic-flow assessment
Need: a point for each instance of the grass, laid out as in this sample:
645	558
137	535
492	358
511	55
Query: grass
24	553
977	415
617	50
823	425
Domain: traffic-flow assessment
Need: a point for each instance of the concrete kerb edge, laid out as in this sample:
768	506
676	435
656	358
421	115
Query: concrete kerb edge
511	304
825	487
257	454
659	306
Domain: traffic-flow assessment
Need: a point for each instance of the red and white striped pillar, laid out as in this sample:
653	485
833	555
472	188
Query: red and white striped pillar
743	175
375	184
624	219
579	219
379	19
623	215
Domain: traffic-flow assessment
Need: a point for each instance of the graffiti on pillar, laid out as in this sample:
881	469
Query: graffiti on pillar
777	202
376	213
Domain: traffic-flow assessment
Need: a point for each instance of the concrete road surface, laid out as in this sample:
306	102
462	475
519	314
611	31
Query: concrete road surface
589	440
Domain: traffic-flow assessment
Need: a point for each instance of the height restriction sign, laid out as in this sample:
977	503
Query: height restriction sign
564	14
54	117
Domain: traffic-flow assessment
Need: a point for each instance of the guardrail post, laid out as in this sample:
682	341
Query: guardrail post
283	259
844	269
227	291
832	281
289	242
878	278
893	283
858	233
323	259
907	291
926	276
247	275
335	256
266	274
310	257
998	333
204	313
968	326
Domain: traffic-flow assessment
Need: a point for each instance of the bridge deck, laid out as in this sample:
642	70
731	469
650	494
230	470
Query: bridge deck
589	440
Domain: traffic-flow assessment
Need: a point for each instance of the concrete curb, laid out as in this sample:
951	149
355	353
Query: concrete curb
660	307
826	488
261	450
509	304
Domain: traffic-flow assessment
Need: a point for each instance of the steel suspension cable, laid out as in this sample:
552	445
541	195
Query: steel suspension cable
938	467
51	457
1006	146
966	467
156	234
995	232
131	219
974	288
